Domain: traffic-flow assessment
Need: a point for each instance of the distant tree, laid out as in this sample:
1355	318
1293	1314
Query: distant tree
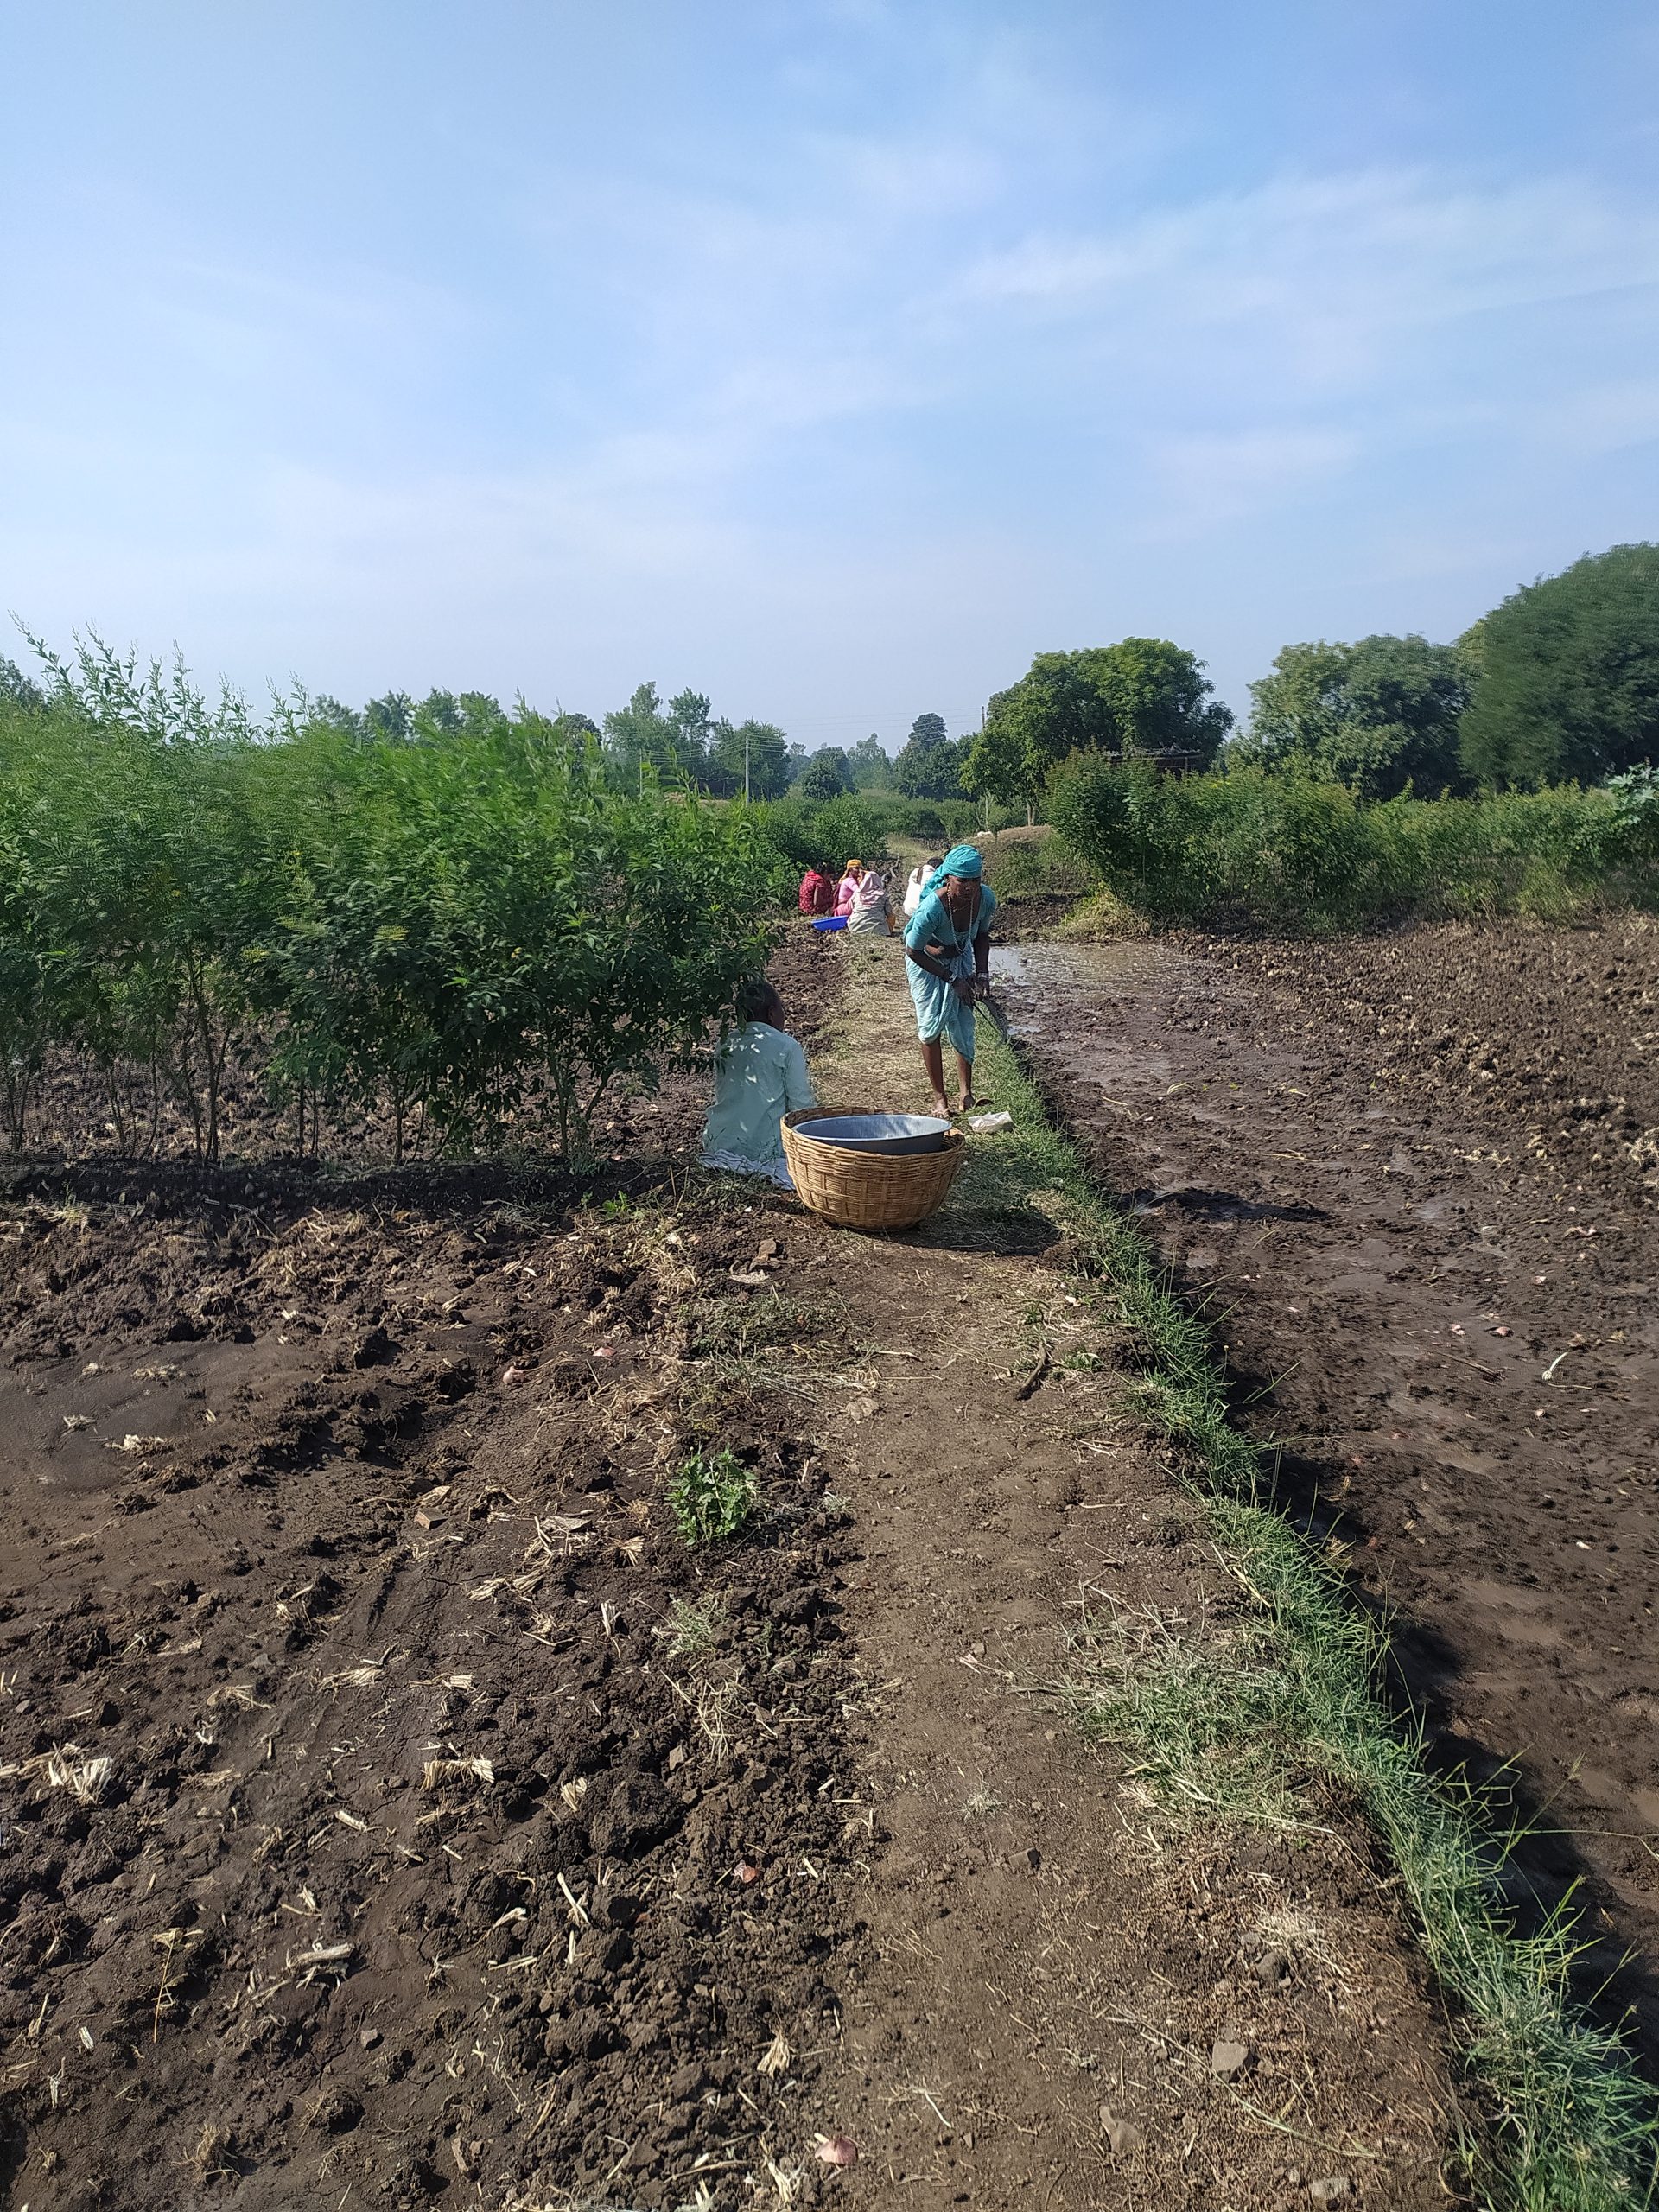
438	715
443	714
797	759
767	751
688	716
1377	716
17	690
1055	709
328	713
928	766
640	736
1569	674
569	724
481	710
828	775
872	769
1142	694
390	718
1001	763
1161	697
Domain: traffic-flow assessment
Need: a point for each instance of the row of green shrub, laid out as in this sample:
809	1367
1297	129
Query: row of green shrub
834	830
1288	851
458	935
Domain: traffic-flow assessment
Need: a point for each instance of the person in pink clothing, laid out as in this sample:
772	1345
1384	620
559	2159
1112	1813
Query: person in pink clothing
846	889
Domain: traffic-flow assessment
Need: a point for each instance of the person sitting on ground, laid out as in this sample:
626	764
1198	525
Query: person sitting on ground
917	884
848	885
817	892
948	960
760	1076
871	911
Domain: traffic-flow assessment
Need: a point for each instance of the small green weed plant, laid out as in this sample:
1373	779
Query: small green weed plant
713	1496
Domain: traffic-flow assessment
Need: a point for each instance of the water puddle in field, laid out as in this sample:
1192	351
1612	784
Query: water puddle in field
1029	966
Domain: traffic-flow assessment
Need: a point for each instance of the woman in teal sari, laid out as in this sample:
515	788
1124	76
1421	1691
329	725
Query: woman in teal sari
948	958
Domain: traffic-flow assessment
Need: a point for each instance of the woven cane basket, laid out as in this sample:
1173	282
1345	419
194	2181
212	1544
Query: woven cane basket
868	1189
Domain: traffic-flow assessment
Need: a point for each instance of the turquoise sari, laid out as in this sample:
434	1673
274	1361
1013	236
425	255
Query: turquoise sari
940	1015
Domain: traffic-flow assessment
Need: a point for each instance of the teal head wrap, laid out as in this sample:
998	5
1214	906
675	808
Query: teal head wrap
961	859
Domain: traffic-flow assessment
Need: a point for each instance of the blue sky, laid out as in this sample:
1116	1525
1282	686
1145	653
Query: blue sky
831	356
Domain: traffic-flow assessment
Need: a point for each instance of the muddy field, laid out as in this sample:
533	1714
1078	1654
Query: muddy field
1416	1178
398	1813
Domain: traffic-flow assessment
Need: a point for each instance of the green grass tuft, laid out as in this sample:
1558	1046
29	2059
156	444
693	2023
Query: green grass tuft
1234	1726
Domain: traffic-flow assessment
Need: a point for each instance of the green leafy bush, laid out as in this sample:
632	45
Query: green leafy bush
863	824
1286	851
712	1497
470	932
1037	869
1635	807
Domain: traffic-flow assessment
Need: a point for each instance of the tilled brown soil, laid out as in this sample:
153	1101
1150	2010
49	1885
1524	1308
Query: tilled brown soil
394	1803
396	1812
1415	1178
377	1751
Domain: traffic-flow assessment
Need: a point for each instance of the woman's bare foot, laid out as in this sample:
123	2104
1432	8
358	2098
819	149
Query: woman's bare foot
942	1106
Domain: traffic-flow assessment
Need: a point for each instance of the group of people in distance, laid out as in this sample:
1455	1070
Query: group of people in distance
860	899
760	1070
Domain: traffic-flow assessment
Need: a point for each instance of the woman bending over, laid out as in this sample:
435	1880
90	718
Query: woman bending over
948	959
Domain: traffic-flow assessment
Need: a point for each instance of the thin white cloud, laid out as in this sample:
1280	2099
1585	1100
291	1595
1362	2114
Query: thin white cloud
1333	265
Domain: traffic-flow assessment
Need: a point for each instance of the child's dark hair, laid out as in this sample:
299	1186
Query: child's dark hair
758	1001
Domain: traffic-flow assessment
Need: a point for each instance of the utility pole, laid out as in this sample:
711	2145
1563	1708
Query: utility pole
745	761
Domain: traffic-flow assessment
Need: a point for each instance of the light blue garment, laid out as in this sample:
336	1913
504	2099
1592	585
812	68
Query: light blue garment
939	1012
760	1076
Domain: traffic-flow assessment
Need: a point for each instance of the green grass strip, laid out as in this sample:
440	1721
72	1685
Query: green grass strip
1572	2126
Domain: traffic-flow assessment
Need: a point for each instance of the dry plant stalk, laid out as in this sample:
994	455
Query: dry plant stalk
436	1772
65	1767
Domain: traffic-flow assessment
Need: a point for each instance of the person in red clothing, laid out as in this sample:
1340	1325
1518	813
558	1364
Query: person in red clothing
818	894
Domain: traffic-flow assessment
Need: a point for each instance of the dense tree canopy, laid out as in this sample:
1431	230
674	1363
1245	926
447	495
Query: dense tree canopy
682	742
928	765
391	717
1569	683
691	730
827	774
1378	715
1142	694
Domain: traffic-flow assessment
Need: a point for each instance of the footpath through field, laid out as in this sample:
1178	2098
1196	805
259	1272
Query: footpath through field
1066	1998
